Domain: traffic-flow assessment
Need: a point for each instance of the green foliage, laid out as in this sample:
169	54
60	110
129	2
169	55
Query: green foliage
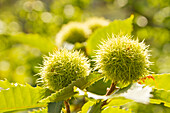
63	67
147	108
161	96
161	90
122	59
18	62
160	81
92	107
115	110
116	27
118	101
121	97
99	87
28	29
95	108
86	106
18	97
68	91
159	36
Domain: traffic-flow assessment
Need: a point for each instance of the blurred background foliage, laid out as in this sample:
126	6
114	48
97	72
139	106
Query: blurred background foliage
28	29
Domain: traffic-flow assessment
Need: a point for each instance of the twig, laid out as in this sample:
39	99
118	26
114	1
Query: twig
111	89
67	105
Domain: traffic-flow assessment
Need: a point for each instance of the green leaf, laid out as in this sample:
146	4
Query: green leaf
96	108
161	96
87	105
92	107
68	91
118	101
161	93
43	44
18	97
54	107
115	110
160	81
146	108
122	27
99	87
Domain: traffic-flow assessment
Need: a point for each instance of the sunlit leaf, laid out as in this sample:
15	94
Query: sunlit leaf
119	101
146	108
161	96
87	105
115	110
18	97
95	108
160	81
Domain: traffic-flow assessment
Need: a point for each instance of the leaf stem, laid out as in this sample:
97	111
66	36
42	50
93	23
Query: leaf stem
67	105
111	89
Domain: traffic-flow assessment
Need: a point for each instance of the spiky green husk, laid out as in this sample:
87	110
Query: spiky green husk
95	23
122	59
72	32
62	67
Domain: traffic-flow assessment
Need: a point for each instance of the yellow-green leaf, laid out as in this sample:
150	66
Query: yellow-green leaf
161	81
86	106
115	110
18	97
161	96
118	101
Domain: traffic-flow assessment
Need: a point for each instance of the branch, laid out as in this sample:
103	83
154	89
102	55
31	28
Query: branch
67	105
110	91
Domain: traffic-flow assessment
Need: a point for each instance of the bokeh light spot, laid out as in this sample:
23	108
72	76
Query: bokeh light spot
14	27
142	21
162	14
27	6
20	70
4	65
46	17
38	5
69	11
2	27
